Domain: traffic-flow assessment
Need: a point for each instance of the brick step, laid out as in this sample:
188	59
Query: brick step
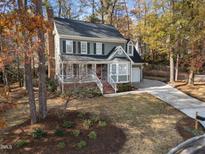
107	88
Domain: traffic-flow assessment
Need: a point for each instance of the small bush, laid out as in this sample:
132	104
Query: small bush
38	133
124	87
81	115
67	124
95	118
59	132
52	85
92	135
21	143
81	144
87	123
75	133
61	145
102	123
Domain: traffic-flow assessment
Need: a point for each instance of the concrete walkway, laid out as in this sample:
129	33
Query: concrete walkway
179	100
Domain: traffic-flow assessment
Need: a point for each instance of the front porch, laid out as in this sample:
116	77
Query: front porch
105	75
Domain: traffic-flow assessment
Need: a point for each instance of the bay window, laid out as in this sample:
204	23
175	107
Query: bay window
119	72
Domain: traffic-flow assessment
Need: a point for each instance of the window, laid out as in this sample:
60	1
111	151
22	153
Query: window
130	48
99	48
84	47
119	72
69	46
122	72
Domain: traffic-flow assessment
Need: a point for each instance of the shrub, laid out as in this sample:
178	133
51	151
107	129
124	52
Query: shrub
87	123
21	143
52	85
95	118
75	133
86	92
92	135
61	145
81	144
59	132
38	133
81	115
124	87
67	124
102	123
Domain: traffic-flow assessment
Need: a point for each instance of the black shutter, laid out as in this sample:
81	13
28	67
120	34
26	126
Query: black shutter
88	48
74	47
79	47
64	46
94	48
103	48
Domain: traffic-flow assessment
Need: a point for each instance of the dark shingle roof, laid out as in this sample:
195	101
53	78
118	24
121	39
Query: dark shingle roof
85	29
136	57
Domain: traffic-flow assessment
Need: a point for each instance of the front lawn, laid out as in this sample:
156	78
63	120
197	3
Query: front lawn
125	124
150	125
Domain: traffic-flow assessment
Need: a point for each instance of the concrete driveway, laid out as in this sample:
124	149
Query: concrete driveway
179	100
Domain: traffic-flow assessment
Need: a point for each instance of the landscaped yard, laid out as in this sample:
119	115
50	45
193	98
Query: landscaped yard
197	90
134	124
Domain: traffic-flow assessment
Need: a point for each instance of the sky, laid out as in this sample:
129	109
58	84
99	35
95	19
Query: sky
88	10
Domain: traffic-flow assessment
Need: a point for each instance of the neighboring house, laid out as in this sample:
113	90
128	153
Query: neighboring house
88	53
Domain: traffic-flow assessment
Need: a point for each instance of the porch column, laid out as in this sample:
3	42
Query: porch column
62	77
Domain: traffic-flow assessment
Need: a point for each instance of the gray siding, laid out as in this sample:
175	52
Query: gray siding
108	46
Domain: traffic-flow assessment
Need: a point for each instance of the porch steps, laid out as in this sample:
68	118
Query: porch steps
107	88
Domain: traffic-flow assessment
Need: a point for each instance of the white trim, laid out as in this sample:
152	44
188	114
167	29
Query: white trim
117	49
69	41
81	44
130	43
113	40
98	44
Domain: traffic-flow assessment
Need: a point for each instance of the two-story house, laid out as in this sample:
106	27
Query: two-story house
94	53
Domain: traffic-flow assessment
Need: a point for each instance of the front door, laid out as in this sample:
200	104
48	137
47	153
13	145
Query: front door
101	71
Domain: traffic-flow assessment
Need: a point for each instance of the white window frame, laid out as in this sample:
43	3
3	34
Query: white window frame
84	43
69	42
118	72
128	48
98	48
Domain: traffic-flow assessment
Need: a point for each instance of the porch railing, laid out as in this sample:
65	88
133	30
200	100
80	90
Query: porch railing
112	83
83	78
98	82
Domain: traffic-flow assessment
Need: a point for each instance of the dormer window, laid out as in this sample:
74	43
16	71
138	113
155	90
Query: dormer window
130	48
83	47
98	48
69	46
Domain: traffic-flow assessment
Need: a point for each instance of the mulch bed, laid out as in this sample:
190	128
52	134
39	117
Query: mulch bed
109	138
186	128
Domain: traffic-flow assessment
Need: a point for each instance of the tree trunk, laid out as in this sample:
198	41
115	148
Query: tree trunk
177	68
29	83
191	77
42	67
171	61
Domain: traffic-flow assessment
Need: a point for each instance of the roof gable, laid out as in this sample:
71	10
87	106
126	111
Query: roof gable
119	52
